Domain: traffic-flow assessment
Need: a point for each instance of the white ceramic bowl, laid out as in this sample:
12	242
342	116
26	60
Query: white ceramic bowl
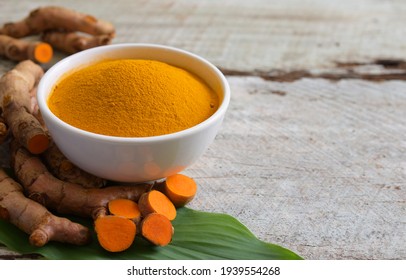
134	159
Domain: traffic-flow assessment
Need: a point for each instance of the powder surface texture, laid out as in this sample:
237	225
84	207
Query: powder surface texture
132	98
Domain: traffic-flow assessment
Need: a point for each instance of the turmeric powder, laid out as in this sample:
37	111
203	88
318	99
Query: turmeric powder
132	98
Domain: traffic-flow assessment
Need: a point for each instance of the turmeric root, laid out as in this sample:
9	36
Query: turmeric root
3	130
157	229
71	42
64	197
125	208
65	170
34	219
180	189
156	202
19	50
57	18
15	101
115	233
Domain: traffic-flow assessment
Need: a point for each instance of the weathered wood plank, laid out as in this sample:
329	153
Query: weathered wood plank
257	34
319	168
267	35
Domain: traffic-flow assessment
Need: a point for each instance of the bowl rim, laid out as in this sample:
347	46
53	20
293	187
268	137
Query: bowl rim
42	96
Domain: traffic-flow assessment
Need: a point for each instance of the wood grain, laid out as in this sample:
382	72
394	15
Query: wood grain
319	169
311	154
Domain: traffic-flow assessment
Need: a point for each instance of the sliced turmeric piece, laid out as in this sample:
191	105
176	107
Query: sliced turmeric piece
115	233
126	208
41	52
157	229
180	189
156	202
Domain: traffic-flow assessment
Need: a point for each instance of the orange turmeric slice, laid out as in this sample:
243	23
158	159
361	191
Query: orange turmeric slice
180	189
156	202
115	233
157	229
42	52
126	208
36	141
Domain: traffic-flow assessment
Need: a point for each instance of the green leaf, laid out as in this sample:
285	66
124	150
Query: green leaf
198	235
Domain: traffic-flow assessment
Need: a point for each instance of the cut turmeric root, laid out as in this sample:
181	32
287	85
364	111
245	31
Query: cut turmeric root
115	233
180	189
125	208
34	219
15	102
156	202
19	50
157	229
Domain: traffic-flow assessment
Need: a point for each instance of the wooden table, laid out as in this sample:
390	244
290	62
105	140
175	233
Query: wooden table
312	152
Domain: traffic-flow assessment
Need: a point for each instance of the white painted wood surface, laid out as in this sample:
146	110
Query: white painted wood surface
312	152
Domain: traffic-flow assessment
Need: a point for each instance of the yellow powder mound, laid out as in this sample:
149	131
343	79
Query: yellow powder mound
132	98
